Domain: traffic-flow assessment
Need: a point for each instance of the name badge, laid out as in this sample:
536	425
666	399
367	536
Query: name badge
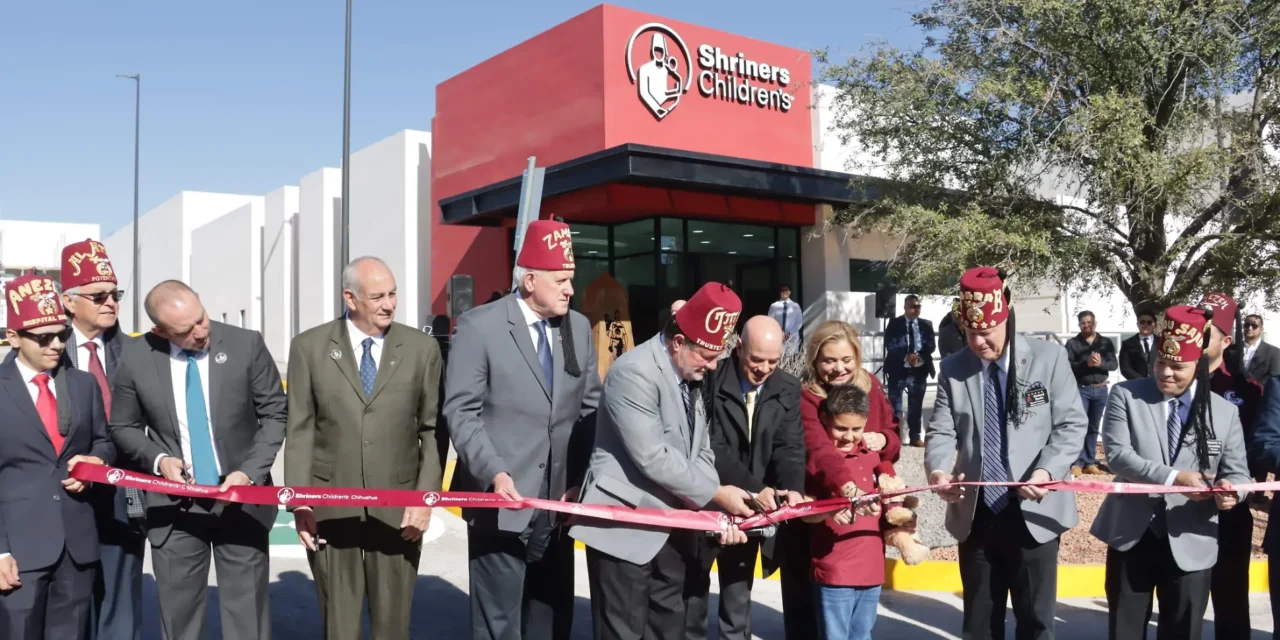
1036	395
1215	447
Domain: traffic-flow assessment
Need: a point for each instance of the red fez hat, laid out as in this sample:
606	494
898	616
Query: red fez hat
709	316
982	302
548	246
33	302
1180	337
1224	311
85	262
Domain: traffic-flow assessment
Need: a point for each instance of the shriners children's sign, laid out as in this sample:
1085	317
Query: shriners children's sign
666	73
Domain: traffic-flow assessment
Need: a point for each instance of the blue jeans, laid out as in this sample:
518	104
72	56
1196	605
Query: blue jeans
914	382
847	613
1095	404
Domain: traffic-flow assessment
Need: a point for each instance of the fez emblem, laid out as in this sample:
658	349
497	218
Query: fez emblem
974	313
336	354
430	498
104	268
220	358
285	495
47	303
1170	346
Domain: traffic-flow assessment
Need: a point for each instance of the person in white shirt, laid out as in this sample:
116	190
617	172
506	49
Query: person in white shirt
790	317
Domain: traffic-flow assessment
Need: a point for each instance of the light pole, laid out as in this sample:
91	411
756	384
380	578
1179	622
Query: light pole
137	265
344	247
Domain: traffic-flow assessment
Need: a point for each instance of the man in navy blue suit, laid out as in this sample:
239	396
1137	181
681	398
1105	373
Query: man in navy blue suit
53	419
909	343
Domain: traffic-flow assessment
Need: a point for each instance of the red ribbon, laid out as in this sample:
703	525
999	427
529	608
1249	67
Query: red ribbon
675	518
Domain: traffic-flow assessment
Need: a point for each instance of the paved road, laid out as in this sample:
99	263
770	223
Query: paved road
440	601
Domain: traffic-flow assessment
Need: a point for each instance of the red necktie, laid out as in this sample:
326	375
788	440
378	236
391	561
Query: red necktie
100	374
47	407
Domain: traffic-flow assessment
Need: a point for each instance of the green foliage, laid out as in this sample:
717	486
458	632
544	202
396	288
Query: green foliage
1075	142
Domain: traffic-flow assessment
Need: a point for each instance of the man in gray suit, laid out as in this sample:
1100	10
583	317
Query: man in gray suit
653	450
520	401
201	402
1168	429
1007	409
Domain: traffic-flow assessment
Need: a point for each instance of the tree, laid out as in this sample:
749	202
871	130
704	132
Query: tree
1075	142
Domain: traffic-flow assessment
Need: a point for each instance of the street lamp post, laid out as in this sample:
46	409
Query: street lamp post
137	265
344	250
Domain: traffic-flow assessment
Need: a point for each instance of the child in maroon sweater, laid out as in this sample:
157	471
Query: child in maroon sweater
848	548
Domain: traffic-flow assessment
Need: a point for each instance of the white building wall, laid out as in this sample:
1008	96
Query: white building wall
280	214
38	245
226	266
165	244
390	209
319	214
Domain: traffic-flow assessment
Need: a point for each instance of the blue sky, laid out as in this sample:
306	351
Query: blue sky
243	96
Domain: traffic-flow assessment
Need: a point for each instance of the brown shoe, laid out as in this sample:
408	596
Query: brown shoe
917	443
1075	471
1094	470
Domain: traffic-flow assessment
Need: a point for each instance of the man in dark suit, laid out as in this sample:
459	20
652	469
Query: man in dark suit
92	299
1264	448
1137	352
520	399
201	402
53	420
362	413
759	446
908	361
1261	359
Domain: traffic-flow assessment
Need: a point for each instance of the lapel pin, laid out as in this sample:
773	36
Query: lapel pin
392	363
220	358
336	354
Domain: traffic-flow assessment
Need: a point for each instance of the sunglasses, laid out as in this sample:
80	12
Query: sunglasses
1146	322
1251	325
45	339
101	297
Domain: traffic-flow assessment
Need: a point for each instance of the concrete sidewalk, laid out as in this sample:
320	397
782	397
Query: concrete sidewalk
441	602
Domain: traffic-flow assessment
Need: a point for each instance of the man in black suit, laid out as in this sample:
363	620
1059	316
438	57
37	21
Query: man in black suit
92	299
759	445
53	420
1261	360
908	361
201	402
1137	352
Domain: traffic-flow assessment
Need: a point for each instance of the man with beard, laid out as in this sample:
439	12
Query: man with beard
653	450
520	401
54	420
92	300
1168	429
1230	579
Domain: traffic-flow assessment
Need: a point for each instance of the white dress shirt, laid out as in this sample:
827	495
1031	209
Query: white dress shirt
1003	365
532	320
28	376
789	316
1250	350
82	352
1148	343
178	373
357	344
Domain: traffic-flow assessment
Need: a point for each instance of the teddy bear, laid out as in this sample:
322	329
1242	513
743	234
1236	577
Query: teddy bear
900	511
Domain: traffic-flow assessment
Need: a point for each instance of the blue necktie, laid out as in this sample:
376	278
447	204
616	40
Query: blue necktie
1175	429
544	354
368	368
204	464
994	468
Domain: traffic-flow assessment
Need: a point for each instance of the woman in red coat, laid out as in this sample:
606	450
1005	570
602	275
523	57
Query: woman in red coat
834	356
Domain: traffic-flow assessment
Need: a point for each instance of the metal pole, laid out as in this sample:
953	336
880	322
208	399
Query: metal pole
344	252
137	263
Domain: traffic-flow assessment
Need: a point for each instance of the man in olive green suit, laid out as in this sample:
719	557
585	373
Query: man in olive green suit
362	413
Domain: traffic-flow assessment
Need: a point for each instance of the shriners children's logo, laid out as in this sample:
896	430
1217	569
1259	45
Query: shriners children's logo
284	495
431	498
114	476
665	74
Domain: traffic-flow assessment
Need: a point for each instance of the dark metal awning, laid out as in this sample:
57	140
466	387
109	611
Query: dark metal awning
670	168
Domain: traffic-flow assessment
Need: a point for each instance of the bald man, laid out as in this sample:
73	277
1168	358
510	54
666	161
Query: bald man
759	446
201	402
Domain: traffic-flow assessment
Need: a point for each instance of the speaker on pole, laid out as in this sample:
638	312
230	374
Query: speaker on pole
886	300
461	295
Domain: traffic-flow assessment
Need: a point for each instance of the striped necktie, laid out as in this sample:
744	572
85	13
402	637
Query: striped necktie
995	467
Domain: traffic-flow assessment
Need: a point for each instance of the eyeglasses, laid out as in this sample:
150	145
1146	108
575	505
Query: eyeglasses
100	298
45	339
